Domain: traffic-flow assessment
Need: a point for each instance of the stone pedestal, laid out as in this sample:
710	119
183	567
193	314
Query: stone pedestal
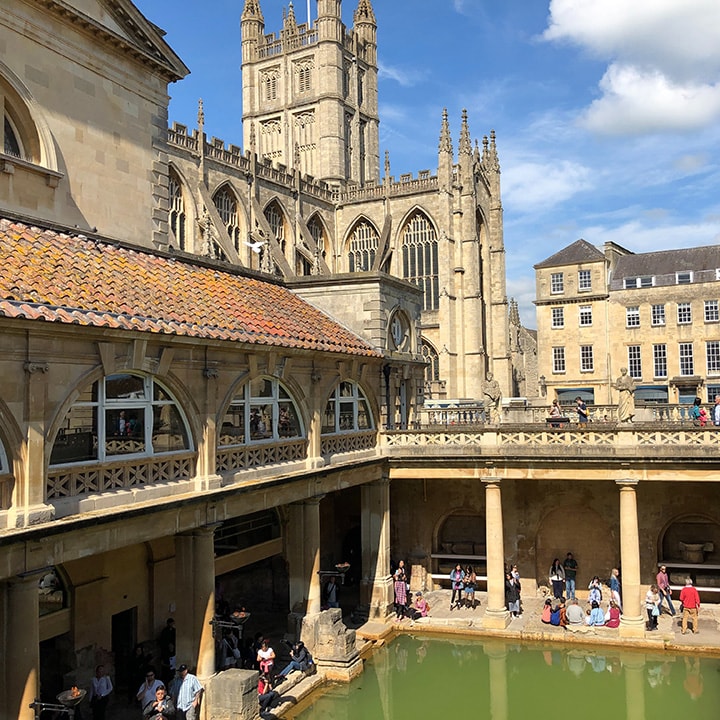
332	645
232	695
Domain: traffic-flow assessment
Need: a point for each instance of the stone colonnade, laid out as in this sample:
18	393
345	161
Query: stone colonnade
195	590
496	616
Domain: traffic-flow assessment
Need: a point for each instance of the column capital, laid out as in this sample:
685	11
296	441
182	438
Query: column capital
492	480
626	483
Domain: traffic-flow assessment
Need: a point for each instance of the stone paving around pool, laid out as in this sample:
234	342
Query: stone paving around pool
529	626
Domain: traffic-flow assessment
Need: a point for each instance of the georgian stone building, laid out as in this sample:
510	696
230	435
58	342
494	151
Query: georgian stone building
654	313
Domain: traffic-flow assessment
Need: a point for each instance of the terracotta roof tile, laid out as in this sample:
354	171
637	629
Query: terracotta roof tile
52	276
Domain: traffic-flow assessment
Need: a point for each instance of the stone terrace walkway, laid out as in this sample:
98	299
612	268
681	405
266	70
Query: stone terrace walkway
529	627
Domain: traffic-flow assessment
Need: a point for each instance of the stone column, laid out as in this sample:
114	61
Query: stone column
21	654
376	587
311	546
204	591
295	553
632	622
195	592
496	613
497	655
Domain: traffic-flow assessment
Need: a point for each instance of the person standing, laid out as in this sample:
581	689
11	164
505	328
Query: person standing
162	708
146	693
331	593
189	693
401	597
557	578
512	595
652	605
690	601
663	583
470	586
582	411
100	690
457	582
570	567
615	590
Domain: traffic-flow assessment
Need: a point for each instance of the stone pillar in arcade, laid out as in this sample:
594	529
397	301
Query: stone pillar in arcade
496	613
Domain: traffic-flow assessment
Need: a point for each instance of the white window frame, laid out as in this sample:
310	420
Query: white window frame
658	315
585	316
712	357
559	364
684	313
660	360
712	311
587	358
584	280
634	361
683	277
632	316
686	359
557	283
557	317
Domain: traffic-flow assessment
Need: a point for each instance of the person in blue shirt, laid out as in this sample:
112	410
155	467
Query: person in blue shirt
596	616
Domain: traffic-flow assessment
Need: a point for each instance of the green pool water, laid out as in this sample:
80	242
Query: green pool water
415	678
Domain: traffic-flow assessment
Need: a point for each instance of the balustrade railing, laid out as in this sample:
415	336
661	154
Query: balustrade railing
246	457
119	475
348	442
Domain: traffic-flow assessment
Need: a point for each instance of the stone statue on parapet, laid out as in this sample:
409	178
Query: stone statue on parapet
492	398
625	385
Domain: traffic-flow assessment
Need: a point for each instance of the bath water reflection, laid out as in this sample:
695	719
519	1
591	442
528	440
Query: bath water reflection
426	678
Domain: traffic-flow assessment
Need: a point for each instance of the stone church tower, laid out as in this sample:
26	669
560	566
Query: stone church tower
306	200
310	96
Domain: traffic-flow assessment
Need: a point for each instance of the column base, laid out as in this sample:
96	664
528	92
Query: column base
632	627
378	597
496	619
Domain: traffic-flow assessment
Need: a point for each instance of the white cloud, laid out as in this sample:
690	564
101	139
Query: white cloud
635	101
402	76
664	61
528	186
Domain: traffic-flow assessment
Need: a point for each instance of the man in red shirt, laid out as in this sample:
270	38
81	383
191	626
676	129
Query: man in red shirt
690	600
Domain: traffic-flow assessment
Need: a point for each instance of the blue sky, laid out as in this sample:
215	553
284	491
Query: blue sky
607	112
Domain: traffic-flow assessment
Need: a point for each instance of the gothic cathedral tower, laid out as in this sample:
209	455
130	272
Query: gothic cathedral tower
310	93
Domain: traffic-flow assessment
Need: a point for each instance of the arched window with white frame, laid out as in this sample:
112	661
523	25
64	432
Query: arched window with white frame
347	410
121	415
263	410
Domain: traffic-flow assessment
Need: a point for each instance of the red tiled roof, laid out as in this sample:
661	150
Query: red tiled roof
53	276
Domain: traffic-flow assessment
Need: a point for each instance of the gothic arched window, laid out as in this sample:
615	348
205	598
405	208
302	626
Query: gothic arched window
420	258
262	411
347	410
12	144
430	355
362	247
122	414
176	214
226	205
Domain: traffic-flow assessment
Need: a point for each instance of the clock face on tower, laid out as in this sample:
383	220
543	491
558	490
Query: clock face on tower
399	332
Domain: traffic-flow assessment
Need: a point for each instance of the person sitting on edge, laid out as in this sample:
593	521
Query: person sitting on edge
612	616
266	694
574	613
422	607
300	659
557	615
596	616
547	611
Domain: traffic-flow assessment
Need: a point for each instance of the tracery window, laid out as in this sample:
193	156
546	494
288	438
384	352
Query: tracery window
262	411
226	205
120	415
431	356
318	233
347	410
420	258
275	219
271	139
176	216
362	247
269	80
303	71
